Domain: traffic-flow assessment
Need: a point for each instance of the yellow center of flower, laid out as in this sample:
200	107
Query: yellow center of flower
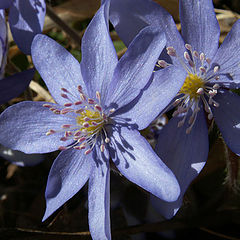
191	85
90	121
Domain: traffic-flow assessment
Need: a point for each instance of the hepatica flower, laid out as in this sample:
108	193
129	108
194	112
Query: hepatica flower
12	86
209	72
91	122
26	19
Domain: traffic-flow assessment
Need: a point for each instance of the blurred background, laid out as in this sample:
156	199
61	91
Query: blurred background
211	208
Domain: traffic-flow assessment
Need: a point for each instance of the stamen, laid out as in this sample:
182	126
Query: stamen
47	105
216	68
50	132
102	147
66	110
79	88
64	95
87	152
98	96
63	138
188	47
112	110
86	124
97	107
187	56
65	90
171	51
91	101
162	63
216	86
67	104
195	54
66	126
78	103
202	57
200	91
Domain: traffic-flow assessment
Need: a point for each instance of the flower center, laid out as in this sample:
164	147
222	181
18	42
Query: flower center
191	85
196	86
90	120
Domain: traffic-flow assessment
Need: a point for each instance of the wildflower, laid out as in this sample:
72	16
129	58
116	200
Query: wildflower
210	71
11	86
26	19
90	122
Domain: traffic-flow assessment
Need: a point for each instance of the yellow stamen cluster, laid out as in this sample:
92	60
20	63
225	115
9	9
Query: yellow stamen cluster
93	118
191	85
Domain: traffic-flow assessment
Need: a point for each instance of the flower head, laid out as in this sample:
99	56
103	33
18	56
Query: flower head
93	120
26	19
208	71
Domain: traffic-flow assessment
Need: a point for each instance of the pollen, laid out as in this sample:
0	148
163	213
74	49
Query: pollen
90	121
191	86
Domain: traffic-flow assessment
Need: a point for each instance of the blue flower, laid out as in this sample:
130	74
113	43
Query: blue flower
12	86
26	19
209	72
92	120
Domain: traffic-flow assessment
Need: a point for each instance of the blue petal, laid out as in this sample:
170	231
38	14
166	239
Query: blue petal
130	16
185	154
5	4
136	160
154	97
24	126
26	19
227	117
3	43
200	27
228	58
99	57
69	172
12	86
135	67
58	68
99	198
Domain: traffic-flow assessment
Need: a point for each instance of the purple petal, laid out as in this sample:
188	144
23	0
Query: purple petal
99	199
136	160
12	86
26	19
154	97
200	27
227	117
5	4
3	43
69	172
24	126
228	58
130	16
58	68
99	57
185	154
135	67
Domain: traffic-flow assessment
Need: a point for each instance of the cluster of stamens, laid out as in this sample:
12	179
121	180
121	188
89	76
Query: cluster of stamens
89	121
196	86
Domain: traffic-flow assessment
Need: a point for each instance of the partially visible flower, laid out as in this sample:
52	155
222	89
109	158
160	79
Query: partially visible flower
12	86
92	120
208	70
26	19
